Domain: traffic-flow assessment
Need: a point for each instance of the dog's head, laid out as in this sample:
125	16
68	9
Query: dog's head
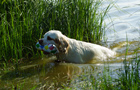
57	38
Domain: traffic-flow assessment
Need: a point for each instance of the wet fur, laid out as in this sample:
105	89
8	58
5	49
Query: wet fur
75	51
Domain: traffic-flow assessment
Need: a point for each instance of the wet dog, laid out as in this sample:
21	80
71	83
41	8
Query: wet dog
75	51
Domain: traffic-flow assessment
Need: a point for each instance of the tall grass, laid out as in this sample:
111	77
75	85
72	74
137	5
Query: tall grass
22	23
18	29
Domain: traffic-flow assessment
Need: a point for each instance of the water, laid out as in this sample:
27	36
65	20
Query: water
123	21
123	24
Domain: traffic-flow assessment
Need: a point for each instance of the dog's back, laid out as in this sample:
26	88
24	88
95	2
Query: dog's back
82	52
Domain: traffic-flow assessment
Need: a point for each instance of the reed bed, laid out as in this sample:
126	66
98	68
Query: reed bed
23	22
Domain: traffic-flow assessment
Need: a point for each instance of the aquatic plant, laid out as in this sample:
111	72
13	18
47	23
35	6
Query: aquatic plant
126	77
22	23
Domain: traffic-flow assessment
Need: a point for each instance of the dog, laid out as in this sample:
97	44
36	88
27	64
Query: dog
75	51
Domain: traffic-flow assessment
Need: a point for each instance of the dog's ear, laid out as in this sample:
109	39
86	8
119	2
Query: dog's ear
62	45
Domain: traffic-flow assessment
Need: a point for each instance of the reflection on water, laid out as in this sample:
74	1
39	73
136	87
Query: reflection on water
123	20
45	73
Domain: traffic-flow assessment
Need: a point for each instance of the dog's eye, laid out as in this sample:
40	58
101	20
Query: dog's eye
49	38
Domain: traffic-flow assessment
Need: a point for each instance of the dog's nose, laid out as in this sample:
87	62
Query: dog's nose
40	41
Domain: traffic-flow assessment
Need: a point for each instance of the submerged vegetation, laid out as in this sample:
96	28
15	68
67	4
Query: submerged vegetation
126	77
23	22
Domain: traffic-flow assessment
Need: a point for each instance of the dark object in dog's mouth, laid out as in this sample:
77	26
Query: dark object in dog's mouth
44	52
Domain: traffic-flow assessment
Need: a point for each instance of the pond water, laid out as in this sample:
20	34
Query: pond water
122	29
123	21
123	26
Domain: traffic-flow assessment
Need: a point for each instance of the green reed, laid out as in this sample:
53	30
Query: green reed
19	30
23	22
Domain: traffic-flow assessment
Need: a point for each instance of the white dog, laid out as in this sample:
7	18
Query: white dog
74	51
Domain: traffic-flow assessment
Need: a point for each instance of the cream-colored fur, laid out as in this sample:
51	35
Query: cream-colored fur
74	51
